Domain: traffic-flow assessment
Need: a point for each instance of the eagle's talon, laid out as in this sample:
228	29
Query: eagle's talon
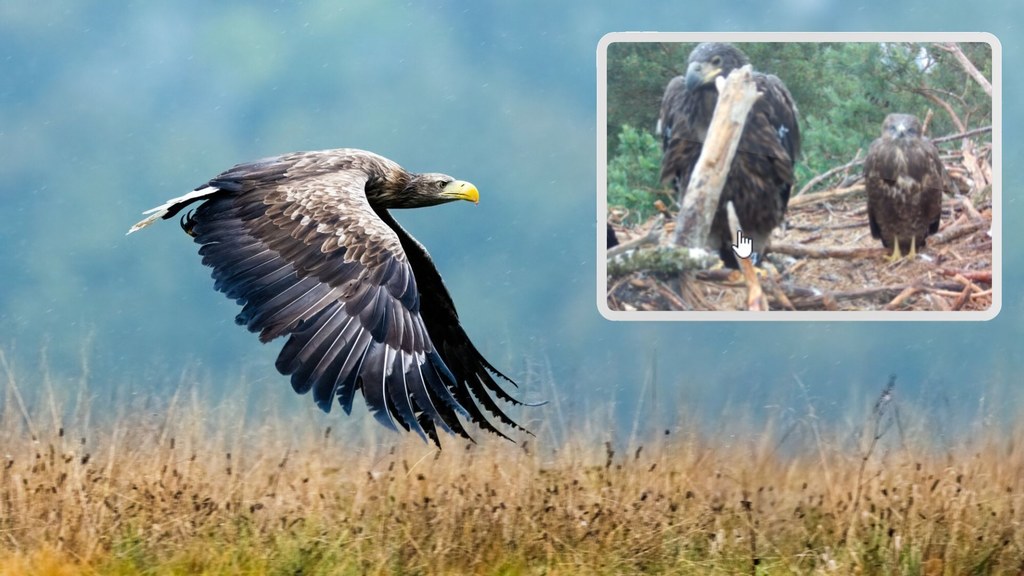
188	224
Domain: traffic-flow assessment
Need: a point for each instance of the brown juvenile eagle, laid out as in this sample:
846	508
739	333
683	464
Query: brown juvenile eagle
904	178
305	244
761	175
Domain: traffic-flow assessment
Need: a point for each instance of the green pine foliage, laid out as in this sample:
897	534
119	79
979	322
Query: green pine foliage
637	75
633	174
843	91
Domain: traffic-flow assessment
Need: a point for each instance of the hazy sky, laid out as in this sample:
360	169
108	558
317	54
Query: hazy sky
108	110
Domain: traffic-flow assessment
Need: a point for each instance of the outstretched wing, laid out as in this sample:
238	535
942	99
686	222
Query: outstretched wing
297	244
474	375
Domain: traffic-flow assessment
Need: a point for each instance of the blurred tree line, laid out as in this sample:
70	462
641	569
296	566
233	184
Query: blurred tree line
109	110
843	92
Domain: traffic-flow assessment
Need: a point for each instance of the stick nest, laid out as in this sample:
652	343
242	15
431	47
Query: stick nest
825	257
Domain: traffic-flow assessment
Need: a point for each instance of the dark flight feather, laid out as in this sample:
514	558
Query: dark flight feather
305	244
761	175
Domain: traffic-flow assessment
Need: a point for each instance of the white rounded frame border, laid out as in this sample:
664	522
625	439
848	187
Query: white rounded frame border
785	315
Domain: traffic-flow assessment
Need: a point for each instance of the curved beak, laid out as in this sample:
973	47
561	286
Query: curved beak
461	190
699	73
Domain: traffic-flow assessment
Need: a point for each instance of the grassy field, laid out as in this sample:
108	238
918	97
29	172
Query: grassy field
190	488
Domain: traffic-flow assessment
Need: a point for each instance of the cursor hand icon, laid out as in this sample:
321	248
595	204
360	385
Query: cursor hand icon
744	246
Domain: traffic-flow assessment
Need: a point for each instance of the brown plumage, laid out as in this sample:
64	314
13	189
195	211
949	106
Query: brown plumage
671	106
305	243
904	178
613	239
761	175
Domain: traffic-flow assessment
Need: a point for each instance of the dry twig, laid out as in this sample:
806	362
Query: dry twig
825	195
956	231
651	237
969	275
847	253
857	160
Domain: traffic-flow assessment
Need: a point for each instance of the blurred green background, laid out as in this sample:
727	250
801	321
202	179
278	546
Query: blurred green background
108	109
839	118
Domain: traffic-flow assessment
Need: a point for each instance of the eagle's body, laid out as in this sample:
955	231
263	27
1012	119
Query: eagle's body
671	107
761	175
305	243
904	178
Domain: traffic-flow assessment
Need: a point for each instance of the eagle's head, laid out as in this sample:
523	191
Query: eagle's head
898	126
431	189
711	60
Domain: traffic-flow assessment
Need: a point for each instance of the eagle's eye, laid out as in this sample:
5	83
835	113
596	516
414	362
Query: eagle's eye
716	60
442	183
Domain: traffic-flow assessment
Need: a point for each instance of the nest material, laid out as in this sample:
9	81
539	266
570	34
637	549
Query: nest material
826	259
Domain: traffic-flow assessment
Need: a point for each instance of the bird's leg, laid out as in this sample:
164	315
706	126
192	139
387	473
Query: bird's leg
757	301
896	254
762	266
913	248
758	264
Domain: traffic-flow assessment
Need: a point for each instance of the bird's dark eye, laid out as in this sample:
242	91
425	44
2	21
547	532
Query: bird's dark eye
442	183
716	60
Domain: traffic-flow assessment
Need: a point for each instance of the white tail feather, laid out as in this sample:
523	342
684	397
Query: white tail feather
162	210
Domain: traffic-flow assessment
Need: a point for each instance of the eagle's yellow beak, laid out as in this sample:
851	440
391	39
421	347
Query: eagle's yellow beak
711	73
461	190
700	73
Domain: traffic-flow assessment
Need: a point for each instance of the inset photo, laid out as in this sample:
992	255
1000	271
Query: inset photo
812	176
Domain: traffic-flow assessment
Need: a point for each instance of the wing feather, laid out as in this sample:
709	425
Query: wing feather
457	359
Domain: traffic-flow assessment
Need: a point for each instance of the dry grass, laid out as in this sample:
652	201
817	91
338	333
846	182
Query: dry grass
188	489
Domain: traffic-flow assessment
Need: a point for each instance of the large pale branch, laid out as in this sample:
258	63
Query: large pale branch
968	66
736	96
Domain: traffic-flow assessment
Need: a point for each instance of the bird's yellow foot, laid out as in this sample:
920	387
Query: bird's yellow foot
763	272
896	254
